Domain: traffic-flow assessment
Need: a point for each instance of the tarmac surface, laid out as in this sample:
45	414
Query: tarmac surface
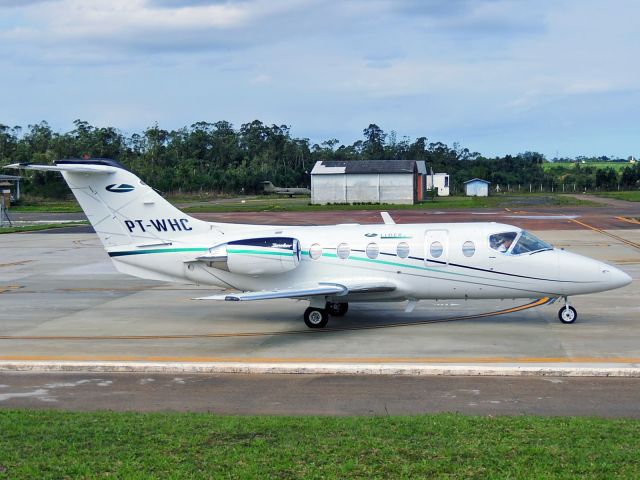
322	394
62	300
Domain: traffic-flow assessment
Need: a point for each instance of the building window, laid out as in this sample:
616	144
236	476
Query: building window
436	249
343	251
315	252
403	250
373	250
468	248
446	181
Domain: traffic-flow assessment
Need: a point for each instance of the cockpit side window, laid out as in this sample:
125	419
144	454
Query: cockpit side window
502	241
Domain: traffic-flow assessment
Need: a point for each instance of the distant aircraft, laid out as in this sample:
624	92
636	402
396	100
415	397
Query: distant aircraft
329	266
291	191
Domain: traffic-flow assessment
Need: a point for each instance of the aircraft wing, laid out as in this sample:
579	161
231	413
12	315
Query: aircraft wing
321	288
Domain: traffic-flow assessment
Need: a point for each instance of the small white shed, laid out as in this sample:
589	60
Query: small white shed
476	187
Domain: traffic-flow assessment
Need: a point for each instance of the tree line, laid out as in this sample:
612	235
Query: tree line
220	158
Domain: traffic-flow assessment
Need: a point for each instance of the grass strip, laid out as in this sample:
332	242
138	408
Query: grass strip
46	226
630	196
54	444
270	204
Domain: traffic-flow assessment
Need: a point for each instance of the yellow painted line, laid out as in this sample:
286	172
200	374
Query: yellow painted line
538	302
10	288
595	229
285	360
15	264
628	220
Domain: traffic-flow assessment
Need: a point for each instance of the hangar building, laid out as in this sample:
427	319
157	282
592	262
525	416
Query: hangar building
367	181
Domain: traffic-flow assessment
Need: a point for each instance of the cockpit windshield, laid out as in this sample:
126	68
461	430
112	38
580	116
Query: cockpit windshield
528	243
517	243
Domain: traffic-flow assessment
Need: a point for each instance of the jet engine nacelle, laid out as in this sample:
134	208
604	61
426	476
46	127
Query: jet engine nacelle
255	256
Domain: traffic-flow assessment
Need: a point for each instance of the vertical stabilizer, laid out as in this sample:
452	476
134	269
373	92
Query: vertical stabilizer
123	209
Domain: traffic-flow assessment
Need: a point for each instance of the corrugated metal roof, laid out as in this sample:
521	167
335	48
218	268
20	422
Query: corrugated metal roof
9	178
364	166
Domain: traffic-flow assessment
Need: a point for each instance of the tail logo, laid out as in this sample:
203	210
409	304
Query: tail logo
122	188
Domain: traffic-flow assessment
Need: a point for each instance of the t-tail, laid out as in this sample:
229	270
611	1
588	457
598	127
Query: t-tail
132	220
123	209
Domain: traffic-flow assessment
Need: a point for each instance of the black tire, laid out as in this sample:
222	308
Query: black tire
316	317
337	309
568	315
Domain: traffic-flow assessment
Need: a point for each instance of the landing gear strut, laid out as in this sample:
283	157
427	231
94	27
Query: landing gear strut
567	314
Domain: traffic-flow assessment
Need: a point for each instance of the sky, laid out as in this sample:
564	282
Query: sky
499	77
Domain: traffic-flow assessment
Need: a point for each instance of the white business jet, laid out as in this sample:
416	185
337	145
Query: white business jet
329	266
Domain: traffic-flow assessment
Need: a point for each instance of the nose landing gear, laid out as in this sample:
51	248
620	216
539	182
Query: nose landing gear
567	314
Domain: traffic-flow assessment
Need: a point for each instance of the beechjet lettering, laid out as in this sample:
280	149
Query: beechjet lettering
329	266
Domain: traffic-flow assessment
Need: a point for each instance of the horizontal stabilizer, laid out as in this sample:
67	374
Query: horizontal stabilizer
64	168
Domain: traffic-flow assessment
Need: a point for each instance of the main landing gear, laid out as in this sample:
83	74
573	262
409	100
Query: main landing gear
318	317
567	314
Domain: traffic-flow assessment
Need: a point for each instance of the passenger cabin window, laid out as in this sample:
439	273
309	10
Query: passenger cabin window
436	249
315	252
468	248
403	250
373	250
343	251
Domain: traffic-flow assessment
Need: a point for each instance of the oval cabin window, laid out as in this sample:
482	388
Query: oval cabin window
373	250
343	251
315	252
468	248
436	249
403	250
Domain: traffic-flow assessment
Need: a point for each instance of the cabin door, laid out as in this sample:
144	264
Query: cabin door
436	248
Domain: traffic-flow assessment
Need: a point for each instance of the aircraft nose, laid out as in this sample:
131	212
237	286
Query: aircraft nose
617	278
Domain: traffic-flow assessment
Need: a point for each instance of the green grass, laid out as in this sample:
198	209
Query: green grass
70	206
274	204
48	444
632	196
617	166
35	228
